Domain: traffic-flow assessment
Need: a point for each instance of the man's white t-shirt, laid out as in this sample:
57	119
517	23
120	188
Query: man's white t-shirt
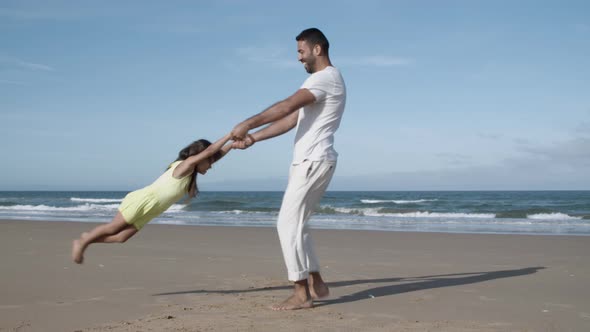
318	122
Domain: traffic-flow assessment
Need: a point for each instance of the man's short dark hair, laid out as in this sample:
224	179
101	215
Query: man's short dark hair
314	36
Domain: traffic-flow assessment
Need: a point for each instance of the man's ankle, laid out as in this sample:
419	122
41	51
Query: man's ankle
302	288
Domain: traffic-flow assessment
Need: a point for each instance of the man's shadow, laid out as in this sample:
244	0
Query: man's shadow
401	285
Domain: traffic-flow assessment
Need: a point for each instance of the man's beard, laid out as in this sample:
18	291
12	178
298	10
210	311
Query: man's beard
309	65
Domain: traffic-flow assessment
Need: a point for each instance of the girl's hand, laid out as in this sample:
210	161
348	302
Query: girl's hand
245	143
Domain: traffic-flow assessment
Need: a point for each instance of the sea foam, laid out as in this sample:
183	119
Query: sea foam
97	200
552	216
376	212
377	201
85	207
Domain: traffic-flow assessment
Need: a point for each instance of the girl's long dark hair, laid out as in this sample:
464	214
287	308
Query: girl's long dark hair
192	149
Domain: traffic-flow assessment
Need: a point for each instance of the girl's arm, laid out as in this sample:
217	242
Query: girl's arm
187	166
224	150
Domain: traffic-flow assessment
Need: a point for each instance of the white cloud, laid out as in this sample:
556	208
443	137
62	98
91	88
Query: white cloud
175	28
561	166
38	14
490	136
271	55
574	152
375	61
14	62
583	128
279	57
34	66
455	159
522	141
9	82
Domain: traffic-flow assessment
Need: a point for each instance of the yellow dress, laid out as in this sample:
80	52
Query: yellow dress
143	205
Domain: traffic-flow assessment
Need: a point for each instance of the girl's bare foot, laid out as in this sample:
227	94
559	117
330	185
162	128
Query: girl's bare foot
77	255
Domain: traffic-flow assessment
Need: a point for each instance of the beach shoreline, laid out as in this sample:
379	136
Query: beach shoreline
482	212
198	278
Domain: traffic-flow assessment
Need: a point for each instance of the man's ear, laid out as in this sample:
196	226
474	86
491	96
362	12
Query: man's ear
317	50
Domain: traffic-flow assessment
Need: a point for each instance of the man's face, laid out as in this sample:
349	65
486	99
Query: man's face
305	56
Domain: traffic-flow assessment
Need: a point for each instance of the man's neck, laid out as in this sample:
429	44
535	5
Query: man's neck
323	63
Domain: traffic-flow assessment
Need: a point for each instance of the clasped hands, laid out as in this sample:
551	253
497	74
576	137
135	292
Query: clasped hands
241	139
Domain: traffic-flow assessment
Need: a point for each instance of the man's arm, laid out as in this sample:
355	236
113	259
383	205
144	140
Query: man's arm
275	129
274	113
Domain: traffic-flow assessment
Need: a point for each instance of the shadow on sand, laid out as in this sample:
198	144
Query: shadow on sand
395	285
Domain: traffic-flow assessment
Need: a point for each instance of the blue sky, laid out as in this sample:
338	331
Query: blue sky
442	95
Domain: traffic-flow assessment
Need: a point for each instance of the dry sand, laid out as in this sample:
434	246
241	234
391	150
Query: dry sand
188	278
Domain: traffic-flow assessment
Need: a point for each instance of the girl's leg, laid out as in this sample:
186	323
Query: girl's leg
121	237
117	225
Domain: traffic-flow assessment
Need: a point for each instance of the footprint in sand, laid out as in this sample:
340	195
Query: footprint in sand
71	302
127	289
92	299
11	306
559	305
55	304
468	290
173	259
485	298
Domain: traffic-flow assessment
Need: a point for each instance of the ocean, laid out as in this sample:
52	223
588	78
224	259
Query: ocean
506	212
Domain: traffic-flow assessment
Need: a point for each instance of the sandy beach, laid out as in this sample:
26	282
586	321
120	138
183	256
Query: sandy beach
196	278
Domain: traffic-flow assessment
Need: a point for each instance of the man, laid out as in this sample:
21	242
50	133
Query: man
316	109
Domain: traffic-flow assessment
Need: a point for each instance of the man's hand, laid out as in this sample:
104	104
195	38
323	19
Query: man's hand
243	144
240	131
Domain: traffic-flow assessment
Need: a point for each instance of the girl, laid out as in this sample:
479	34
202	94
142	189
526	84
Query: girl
143	205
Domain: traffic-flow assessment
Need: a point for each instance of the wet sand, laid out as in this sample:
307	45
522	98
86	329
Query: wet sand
189	278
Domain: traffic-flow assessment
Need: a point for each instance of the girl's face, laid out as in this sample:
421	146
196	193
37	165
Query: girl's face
204	166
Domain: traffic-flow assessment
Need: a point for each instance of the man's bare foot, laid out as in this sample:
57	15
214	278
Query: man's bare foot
294	302
77	254
318	288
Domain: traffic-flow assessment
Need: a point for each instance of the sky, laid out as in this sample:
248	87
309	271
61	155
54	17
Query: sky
442	95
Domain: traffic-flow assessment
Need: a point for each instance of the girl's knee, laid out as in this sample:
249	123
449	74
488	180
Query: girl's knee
126	234
114	228
120	238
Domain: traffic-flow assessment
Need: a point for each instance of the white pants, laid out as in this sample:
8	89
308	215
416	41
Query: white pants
307	184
